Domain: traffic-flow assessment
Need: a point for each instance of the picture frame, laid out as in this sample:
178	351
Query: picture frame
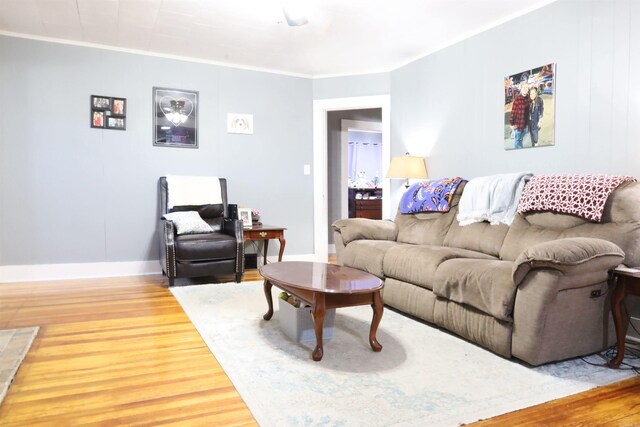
117	123
119	107
108	112
244	214
240	123
529	108
97	119
175	118
99	102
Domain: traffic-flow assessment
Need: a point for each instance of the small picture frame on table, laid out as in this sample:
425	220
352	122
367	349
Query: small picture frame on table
244	214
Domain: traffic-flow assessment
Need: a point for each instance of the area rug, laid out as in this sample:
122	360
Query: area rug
14	345
423	376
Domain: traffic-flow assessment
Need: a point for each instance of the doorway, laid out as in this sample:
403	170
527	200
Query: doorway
321	110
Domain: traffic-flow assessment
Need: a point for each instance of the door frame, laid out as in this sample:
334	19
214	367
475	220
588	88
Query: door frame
320	167
345	126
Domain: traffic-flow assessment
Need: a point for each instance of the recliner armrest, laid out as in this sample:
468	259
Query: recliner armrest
570	256
166	235
233	227
365	229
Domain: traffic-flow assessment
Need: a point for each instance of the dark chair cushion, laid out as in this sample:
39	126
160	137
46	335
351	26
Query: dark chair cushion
205	247
205	211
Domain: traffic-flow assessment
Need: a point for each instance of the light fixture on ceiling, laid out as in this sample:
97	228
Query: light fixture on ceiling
407	167
294	15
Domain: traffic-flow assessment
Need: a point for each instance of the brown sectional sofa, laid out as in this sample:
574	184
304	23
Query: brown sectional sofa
536	290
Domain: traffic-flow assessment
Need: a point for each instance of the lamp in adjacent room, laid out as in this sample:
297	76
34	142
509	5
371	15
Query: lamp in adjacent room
407	167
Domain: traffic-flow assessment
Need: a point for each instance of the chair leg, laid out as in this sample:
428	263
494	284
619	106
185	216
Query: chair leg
238	277
171	281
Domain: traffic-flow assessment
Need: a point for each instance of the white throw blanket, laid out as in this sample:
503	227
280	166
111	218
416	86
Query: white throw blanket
492	198
193	190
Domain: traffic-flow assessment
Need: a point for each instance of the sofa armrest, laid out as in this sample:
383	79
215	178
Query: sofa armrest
570	256
365	229
166	235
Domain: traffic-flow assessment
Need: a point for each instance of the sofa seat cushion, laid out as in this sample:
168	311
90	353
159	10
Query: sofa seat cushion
205	247
486	285
417	264
367	255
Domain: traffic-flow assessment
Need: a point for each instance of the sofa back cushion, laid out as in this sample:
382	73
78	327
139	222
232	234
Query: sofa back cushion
427	228
620	225
480	237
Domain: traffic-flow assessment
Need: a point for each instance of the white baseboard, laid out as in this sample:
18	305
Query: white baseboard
39	272
303	257
32	273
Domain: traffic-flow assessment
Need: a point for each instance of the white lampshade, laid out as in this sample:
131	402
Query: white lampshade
407	167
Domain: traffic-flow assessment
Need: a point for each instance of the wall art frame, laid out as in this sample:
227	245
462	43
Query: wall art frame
529	108
175	117
103	108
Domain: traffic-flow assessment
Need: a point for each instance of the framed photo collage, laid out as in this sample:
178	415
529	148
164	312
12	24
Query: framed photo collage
108	112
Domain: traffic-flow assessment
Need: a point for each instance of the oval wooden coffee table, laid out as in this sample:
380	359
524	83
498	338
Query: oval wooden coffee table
325	286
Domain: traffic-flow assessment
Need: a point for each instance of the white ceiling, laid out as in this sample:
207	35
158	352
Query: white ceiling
342	37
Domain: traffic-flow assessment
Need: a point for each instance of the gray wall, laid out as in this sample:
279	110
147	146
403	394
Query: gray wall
334	155
350	86
449	105
71	194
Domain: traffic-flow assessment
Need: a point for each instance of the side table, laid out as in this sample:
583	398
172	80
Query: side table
264	233
627	282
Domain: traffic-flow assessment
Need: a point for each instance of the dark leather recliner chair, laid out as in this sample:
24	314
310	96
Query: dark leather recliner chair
208	254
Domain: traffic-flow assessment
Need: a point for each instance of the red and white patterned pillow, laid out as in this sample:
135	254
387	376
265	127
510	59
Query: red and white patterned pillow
582	195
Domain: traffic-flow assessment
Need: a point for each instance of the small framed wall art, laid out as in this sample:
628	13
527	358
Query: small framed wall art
175	118
240	123
108	112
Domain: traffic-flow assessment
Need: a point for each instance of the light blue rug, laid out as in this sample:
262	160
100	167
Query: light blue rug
423	376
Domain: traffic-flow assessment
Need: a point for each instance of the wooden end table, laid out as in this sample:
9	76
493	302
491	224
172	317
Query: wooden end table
264	233
627	282
325	286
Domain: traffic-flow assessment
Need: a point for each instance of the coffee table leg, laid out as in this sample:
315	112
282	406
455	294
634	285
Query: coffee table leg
318	323
378	307
267	293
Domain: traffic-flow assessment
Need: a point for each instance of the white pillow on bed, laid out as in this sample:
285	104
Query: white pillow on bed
188	222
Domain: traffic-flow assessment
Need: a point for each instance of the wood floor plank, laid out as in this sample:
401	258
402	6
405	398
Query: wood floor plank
121	351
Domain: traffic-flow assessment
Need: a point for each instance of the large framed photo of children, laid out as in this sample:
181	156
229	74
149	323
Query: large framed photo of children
529	108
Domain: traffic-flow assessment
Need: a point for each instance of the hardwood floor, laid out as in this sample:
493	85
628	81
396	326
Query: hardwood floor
121	351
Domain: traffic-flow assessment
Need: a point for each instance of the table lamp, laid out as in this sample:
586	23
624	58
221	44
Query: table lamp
407	167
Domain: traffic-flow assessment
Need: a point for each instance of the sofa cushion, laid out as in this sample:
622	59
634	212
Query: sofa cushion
367	255
480	236
417	264
205	247
486	285
427	228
